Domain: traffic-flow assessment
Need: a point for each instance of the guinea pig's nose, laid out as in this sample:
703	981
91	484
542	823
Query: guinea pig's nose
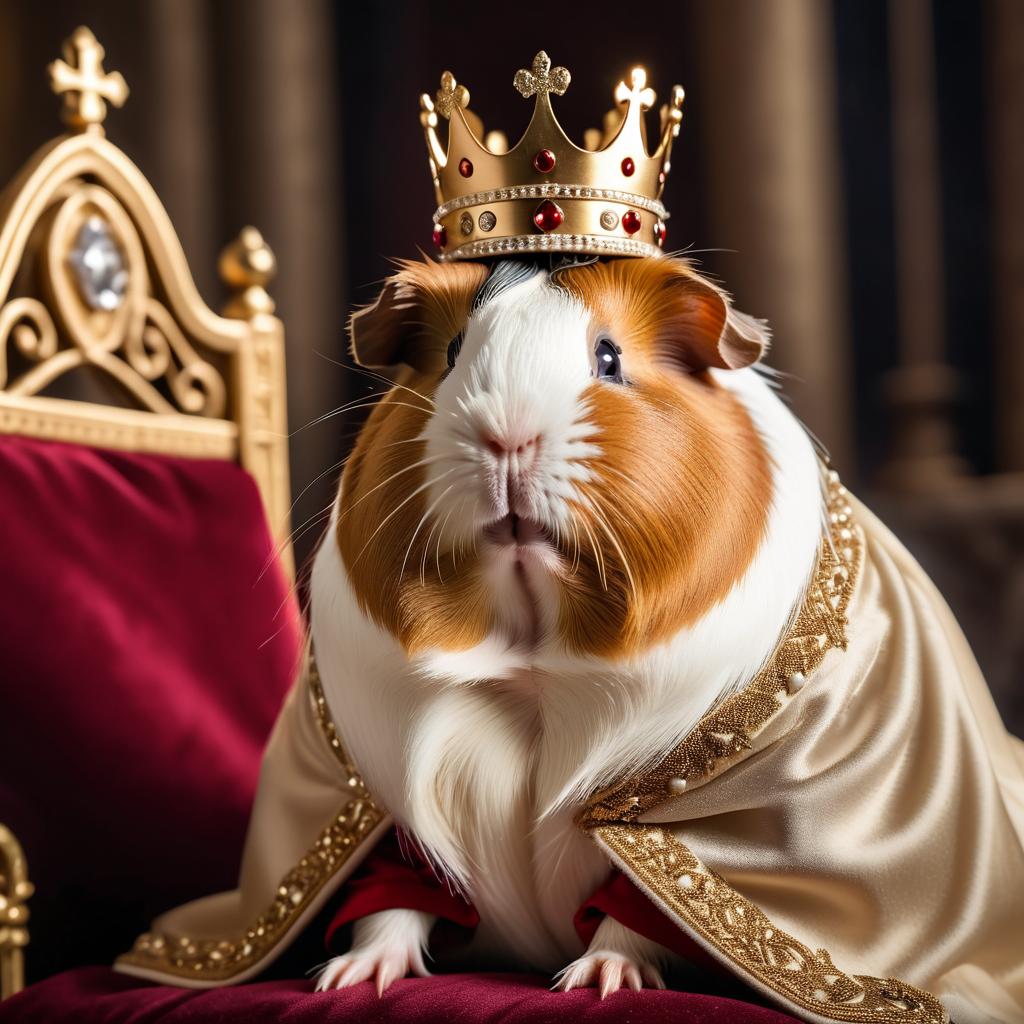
500	447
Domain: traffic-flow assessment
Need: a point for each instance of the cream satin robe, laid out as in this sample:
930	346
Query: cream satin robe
846	833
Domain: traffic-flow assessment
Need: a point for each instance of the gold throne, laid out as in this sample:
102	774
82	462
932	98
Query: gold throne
105	341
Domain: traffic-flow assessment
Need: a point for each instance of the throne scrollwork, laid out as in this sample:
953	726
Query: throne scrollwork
105	340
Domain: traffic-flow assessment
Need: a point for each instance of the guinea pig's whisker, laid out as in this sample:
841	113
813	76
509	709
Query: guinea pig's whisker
574	568
356	403
604	467
603	523
297	534
399	507
462	534
405	440
597	554
426	543
315	481
617	513
373	375
429	460
350	407
437	550
423	519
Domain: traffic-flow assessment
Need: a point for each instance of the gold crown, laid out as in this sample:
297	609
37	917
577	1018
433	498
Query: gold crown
547	194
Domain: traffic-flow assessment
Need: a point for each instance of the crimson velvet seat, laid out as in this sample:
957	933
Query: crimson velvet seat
95	995
148	640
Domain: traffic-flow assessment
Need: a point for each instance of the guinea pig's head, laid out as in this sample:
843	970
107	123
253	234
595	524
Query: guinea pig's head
562	461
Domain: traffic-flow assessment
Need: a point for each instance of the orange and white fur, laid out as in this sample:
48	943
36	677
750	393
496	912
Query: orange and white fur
579	520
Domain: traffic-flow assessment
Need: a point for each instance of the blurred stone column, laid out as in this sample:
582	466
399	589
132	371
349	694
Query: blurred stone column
279	130
923	388
767	96
180	129
1006	89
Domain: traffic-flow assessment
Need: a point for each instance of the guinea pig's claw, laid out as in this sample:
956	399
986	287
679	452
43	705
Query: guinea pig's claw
610	972
381	965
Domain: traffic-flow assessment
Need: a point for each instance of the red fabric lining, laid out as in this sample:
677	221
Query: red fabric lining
621	899
395	875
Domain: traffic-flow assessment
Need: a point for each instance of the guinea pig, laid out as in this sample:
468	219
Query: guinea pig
580	517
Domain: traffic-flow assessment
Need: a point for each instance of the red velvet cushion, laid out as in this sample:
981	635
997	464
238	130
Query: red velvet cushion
144	654
98	996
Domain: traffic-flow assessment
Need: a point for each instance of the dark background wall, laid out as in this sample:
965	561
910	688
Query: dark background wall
849	168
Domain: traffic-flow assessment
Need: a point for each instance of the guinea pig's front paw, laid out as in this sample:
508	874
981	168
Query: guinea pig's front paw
611	971
617	958
385	947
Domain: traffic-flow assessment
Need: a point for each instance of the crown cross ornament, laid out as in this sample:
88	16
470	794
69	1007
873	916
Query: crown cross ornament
85	86
638	92
546	194
450	95
541	78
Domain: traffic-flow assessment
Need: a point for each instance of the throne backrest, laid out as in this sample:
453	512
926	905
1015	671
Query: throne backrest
148	638
92	275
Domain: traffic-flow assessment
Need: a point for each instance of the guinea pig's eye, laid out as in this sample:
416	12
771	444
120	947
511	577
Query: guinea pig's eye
608	365
453	350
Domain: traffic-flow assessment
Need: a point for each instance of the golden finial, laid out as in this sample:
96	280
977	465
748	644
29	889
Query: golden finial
450	95
83	83
542	78
246	267
637	92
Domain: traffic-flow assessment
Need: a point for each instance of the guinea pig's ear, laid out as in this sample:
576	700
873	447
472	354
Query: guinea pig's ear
418	312
703	330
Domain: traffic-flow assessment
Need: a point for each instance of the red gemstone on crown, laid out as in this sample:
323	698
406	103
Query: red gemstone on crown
548	215
628	167
660	232
631	222
661	177
544	161
466	167
440	236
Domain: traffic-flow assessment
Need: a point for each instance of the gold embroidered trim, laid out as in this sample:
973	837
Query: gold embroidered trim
711	909
326	723
725	734
222	959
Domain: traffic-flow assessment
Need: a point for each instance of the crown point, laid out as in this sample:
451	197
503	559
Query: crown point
542	78
636	91
428	116
450	95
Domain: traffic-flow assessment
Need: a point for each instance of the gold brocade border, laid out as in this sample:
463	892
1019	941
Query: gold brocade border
220	960
704	903
725	734
713	911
